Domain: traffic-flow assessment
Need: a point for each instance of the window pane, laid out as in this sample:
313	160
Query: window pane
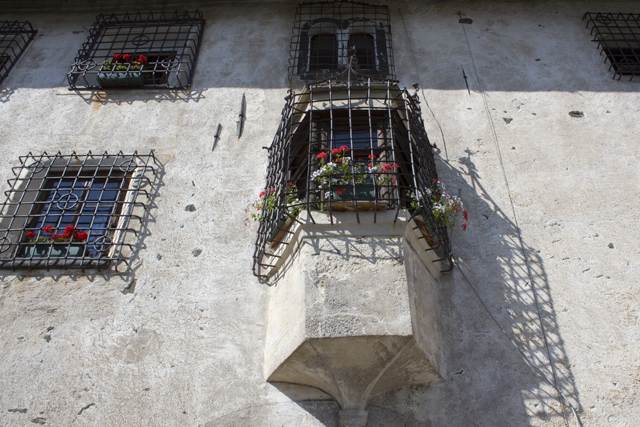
365	50
324	52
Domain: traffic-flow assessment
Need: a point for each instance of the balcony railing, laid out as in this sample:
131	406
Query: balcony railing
348	146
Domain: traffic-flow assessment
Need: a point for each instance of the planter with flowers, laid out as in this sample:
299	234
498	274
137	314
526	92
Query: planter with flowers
343	181
122	71
267	201
69	244
444	209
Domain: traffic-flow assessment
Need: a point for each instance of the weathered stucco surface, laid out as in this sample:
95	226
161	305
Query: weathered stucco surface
180	339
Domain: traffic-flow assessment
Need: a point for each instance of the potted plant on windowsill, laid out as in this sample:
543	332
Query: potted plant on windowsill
122	71
267	201
69	244
444	207
343	181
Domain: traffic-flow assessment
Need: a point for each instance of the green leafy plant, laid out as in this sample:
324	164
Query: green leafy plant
267	200
339	169
71	234
444	207
124	62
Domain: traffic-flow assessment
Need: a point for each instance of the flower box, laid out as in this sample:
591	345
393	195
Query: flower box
57	250
121	79
427	232
344	199
362	192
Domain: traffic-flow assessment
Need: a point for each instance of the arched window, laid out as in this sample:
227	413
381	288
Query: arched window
323	53
365	50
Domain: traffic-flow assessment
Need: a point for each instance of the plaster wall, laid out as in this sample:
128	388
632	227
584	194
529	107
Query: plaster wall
180	337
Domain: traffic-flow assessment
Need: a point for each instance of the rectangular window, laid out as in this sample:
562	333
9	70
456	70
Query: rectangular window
139	51
15	36
73	210
618	36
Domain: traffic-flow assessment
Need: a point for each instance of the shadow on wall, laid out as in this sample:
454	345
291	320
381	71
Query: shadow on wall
125	271
489	382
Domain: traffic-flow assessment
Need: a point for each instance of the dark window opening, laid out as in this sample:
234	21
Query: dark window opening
365	50
4	59
323	52
158	64
87	201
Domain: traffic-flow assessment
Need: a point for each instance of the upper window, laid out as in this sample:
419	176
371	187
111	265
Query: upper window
72	210
327	34
15	36
618	35
139	51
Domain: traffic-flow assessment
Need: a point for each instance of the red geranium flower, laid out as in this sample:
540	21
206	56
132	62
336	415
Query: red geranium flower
344	148
82	236
142	59
323	155
49	229
126	57
31	235
262	194
341	191
336	151
466	217
68	230
117	57
371	156
464	226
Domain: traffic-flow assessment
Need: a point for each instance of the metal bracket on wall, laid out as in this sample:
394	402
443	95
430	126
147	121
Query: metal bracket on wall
216	137
242	115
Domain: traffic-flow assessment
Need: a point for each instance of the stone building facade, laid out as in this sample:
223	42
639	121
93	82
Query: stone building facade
347	303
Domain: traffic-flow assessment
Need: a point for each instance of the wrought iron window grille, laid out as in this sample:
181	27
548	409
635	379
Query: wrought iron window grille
326	33
97	195
388	160
618	37
15	36
168	42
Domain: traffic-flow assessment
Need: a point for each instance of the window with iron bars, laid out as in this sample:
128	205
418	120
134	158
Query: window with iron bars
154	50
325	33
618	37
74	210
356	146
15	36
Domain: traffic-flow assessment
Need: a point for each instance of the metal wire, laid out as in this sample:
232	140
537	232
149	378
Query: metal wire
376	125
96	194
324	32
618	37
15	36
170	42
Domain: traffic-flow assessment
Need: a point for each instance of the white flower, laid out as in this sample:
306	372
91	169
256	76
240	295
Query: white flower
327	194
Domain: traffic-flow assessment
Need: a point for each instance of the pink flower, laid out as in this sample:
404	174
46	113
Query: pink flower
336	151
344	148
371	156
31	235
262	194
466	217
464	226
323	155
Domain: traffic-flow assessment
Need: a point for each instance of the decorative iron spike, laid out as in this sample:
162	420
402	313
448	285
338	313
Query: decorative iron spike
242	115
216	136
